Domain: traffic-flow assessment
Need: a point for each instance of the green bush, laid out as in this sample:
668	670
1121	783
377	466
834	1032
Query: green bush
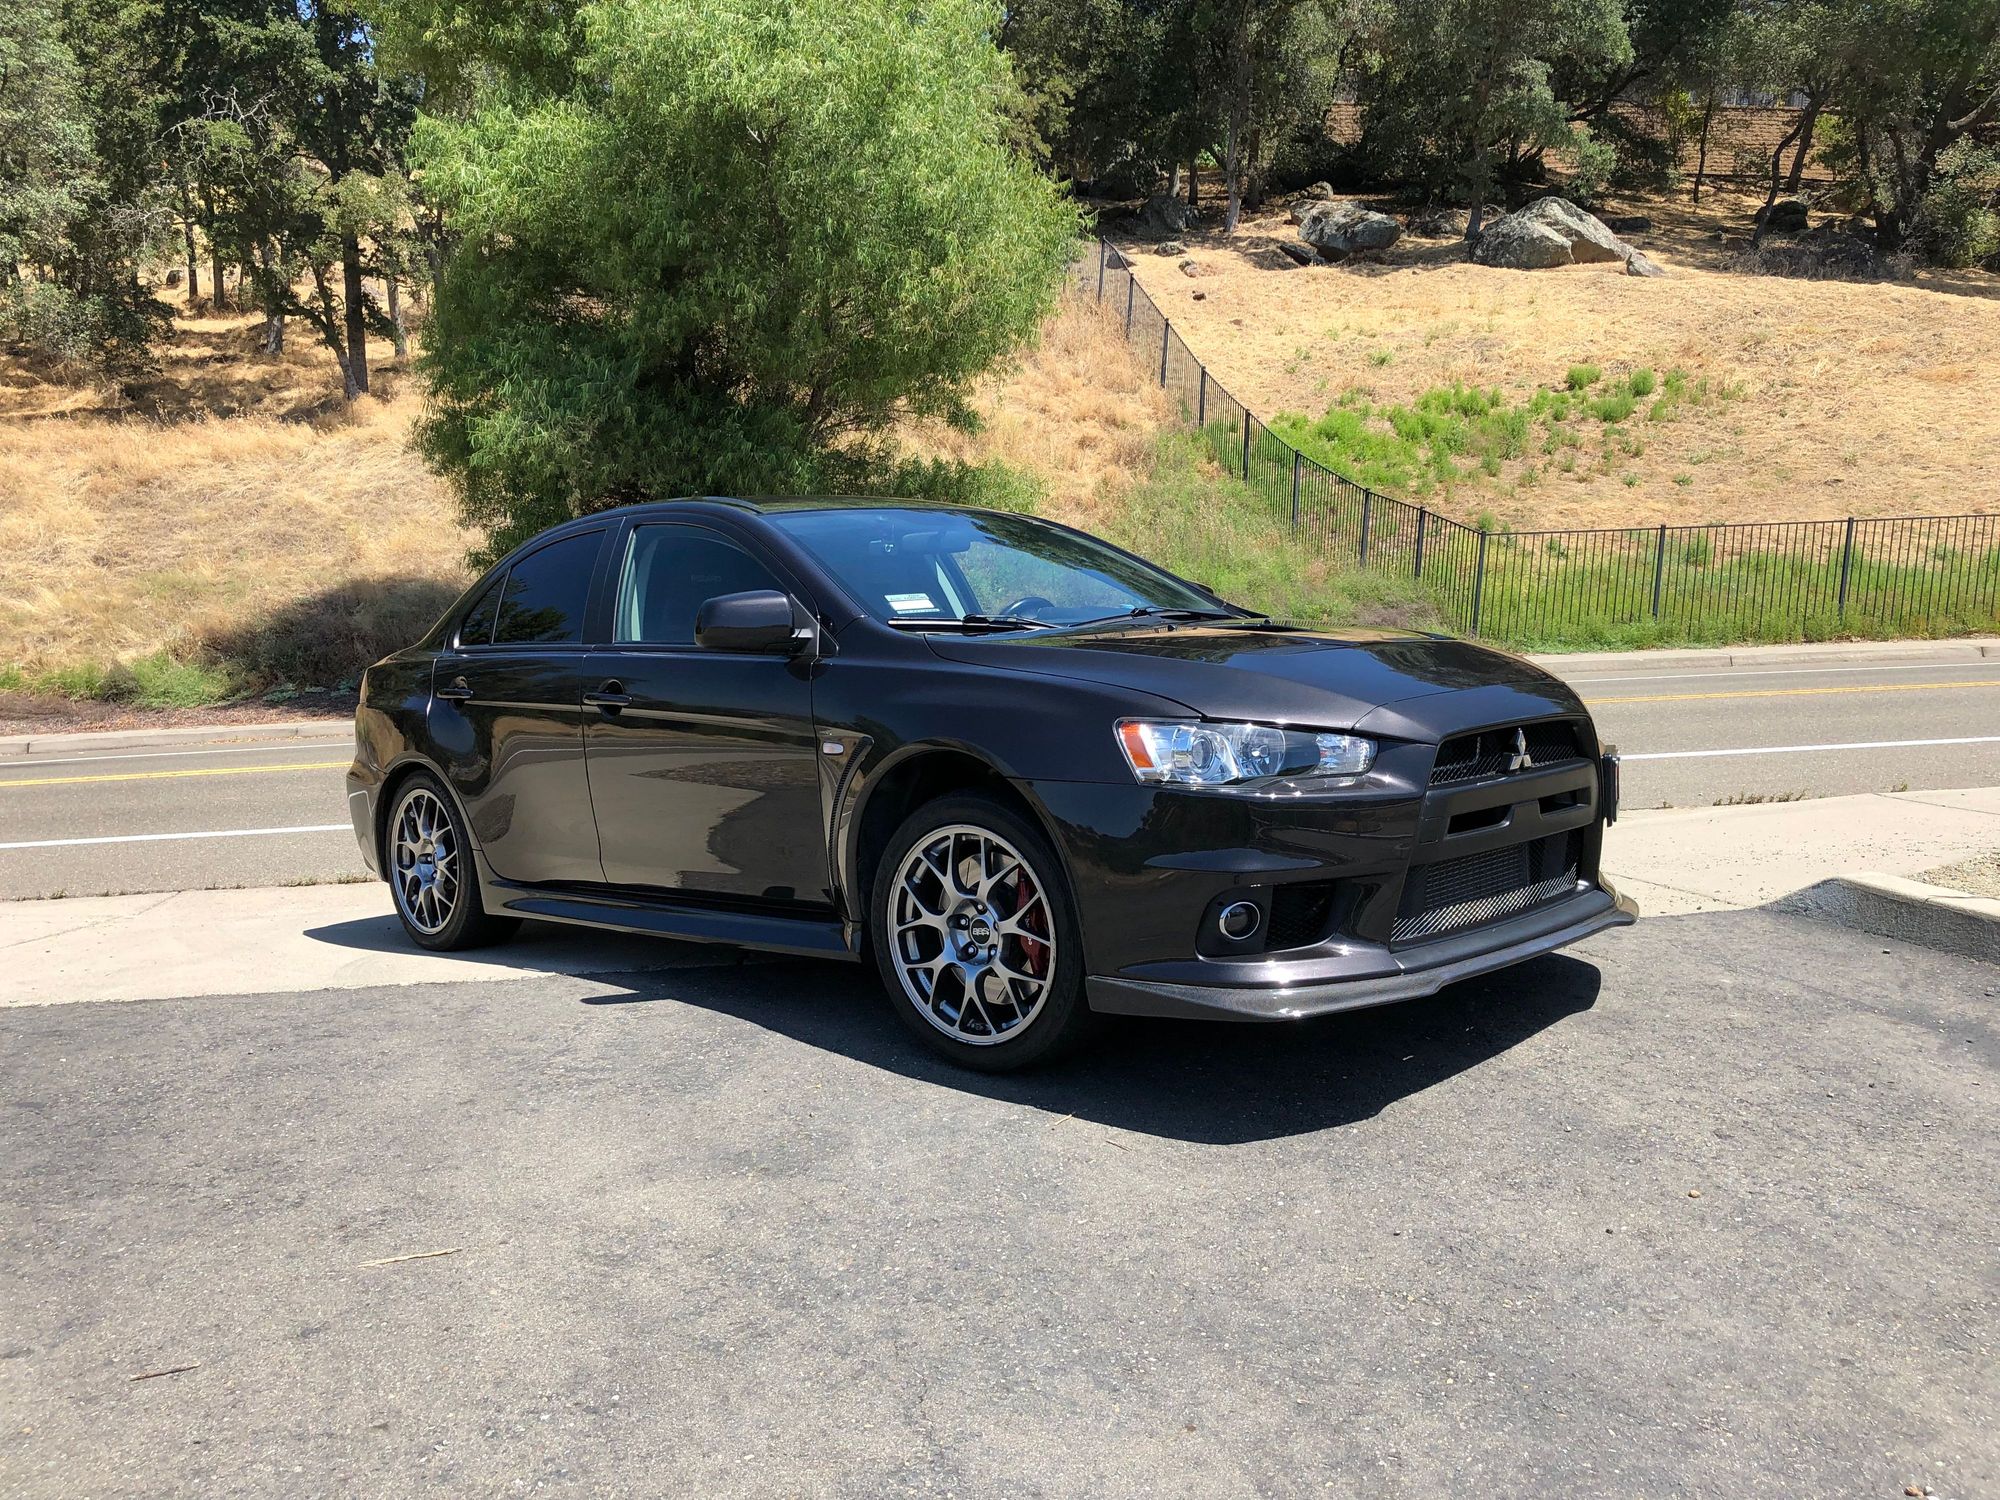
1957	223
746	241
1582	377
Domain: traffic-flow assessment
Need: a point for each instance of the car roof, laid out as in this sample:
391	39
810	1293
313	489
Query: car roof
782	504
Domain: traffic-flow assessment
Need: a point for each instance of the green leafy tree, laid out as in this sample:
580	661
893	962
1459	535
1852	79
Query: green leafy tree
79	205
1462	92
741	245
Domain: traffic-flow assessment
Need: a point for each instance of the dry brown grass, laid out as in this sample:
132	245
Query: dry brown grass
231	506
1864	399
1077	411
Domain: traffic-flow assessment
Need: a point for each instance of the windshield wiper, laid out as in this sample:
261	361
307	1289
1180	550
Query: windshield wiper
1146	612
974	622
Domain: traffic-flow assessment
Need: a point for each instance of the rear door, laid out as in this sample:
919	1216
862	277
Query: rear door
507	712
702	763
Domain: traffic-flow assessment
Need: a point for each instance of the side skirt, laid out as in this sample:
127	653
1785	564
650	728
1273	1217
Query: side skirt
805	936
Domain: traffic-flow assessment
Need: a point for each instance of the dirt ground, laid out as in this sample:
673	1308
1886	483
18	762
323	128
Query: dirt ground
1867	399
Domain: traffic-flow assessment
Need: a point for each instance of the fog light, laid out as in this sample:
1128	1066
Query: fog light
1239	920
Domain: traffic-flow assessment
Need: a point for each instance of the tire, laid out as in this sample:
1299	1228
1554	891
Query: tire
968	901
433	880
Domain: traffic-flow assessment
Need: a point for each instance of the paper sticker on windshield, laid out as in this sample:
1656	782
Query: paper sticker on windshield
910	604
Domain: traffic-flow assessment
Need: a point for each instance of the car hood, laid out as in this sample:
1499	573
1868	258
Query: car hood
1397	683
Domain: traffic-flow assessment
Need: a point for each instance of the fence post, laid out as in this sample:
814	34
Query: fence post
1131	282
1422	516
1297	462
1367	502
1479	581
1246	445
1846	566
1659	568
1100	268
1201	400
1166	332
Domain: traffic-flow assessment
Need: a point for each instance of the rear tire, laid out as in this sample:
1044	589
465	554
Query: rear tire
432	875
976	936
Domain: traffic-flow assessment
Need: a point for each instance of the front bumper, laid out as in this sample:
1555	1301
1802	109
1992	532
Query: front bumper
1388	891
1416	973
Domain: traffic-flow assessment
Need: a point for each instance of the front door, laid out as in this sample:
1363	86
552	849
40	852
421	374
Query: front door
702	763
507	713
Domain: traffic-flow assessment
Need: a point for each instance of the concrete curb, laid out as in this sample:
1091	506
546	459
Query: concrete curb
1979	648
120	739
1930	916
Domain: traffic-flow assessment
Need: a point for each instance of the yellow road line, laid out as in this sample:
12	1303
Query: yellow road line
1808	692
312	765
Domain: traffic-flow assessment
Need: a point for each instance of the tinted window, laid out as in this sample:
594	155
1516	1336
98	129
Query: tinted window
940	564
669	572
476	629
546	592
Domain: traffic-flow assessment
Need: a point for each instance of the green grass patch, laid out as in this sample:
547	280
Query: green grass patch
1191	516
155	681
1582	377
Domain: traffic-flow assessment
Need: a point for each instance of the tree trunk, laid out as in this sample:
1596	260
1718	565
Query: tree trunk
193	260
1701	158
1194	184
352	292
1807	123
218	290
396	317
1231	180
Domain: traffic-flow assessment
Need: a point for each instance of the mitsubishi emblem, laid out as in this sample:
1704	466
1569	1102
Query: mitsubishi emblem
1520	760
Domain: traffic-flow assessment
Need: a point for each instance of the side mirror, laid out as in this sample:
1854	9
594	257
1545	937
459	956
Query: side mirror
760	620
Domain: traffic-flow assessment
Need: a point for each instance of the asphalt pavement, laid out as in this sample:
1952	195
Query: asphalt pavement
1704	1207
176	816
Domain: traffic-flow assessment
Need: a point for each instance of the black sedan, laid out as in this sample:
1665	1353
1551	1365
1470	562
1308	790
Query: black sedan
1033	776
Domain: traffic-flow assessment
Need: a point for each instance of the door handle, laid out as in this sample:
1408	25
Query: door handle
456	690
610	698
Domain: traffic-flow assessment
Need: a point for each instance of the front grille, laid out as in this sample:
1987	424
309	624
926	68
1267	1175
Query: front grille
1468	757
1455	894
1300	913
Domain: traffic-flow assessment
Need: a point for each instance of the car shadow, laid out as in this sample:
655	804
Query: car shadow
1203	1082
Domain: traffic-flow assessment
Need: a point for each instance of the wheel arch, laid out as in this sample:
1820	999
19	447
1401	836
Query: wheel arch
393	781
919	775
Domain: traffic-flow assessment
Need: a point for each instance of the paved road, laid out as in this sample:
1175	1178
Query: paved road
723	1232
1671	721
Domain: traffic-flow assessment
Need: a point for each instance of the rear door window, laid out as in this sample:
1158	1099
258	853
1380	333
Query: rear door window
546	593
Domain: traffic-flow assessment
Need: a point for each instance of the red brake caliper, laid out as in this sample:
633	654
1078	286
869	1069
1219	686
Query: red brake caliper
1034	955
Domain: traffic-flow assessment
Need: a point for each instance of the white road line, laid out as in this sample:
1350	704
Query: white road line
1971	739
28	762
1585	679
150	838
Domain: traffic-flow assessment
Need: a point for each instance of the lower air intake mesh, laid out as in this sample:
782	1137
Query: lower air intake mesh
1455	894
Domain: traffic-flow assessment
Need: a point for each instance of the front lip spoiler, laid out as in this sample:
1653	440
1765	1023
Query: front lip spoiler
1129	997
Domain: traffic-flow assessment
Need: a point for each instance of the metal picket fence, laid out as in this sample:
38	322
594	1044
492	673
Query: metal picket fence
1768	581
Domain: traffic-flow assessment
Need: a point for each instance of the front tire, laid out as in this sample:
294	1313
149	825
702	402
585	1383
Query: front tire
976	936
429	862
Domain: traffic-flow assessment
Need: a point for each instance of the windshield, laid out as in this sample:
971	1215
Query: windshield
918	566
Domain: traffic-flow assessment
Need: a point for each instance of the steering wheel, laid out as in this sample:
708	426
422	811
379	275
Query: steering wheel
1027	602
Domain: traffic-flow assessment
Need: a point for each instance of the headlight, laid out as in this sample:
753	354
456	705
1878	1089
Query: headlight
1179	752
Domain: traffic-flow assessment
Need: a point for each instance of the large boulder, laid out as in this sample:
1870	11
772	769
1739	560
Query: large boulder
1786	216
1341	230
1165	214
1548	232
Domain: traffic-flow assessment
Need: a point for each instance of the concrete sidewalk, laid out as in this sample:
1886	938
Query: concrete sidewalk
1691	859
340	937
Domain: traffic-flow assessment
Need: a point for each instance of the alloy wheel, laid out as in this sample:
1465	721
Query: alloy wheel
425	854
973	934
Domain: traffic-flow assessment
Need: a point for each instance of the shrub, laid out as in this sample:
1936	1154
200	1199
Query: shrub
1956	223
1583	377
748	240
